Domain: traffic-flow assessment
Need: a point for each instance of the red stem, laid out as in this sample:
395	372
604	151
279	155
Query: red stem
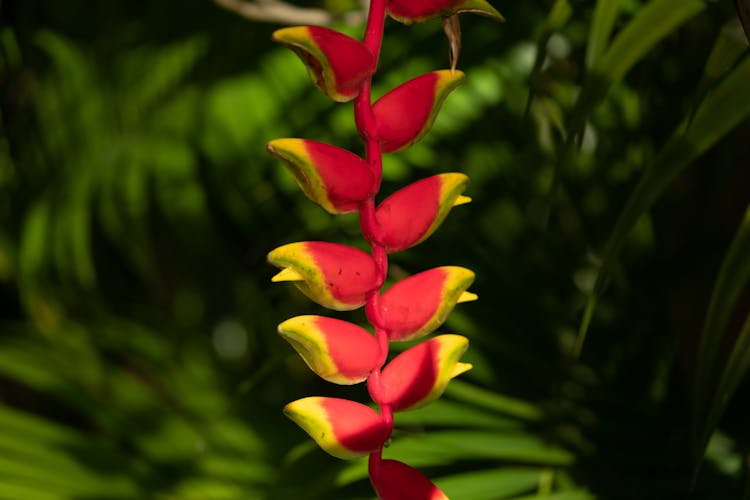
374	30
368	130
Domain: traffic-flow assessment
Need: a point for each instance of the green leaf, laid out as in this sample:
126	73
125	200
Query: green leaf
490	484
730	283
446	413
447	447
743	11
30	364
77	221
38	454
654	22
729	46
493	401
25	488
150	73
727	50
734	372
21	423
441	448
721	111
605	14
558	16
33	249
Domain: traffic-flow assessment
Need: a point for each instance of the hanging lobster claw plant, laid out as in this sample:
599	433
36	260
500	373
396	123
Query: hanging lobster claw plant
343	278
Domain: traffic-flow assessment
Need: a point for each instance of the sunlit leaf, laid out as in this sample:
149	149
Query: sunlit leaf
605	15
492	484
652	23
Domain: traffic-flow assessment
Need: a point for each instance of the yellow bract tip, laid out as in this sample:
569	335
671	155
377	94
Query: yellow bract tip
288	274
465	297
292	35
461	200
461	368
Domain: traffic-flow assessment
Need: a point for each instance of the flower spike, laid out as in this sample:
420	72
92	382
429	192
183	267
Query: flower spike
418	11
342	428
420	375
411	214
344	278
336	350
332	177
397	481
417	305
337	64
335	276
405	114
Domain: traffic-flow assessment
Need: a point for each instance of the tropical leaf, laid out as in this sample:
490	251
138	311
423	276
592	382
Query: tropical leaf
731	281
721	111
492	484
653	22
605	15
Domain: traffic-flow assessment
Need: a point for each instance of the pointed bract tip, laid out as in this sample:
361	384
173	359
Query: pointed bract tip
278	146
290	34
461	368
287	274
420	374
462	200
467	297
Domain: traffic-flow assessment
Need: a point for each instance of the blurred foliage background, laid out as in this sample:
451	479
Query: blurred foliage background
608	147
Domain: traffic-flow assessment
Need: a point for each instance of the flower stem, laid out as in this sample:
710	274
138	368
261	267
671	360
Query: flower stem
368	131
374	31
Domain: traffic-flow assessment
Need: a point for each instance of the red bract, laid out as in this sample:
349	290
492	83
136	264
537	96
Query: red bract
335	276
332	177
398	481
405	114
410	215
417	11
338	64
419	375
416	306
342	428
338	351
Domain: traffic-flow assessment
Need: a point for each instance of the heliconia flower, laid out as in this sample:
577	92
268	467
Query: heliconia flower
420	375
397	481
410	215
336	350
419	304
342	428
335	276
338	64
332	177
417	11
405	114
